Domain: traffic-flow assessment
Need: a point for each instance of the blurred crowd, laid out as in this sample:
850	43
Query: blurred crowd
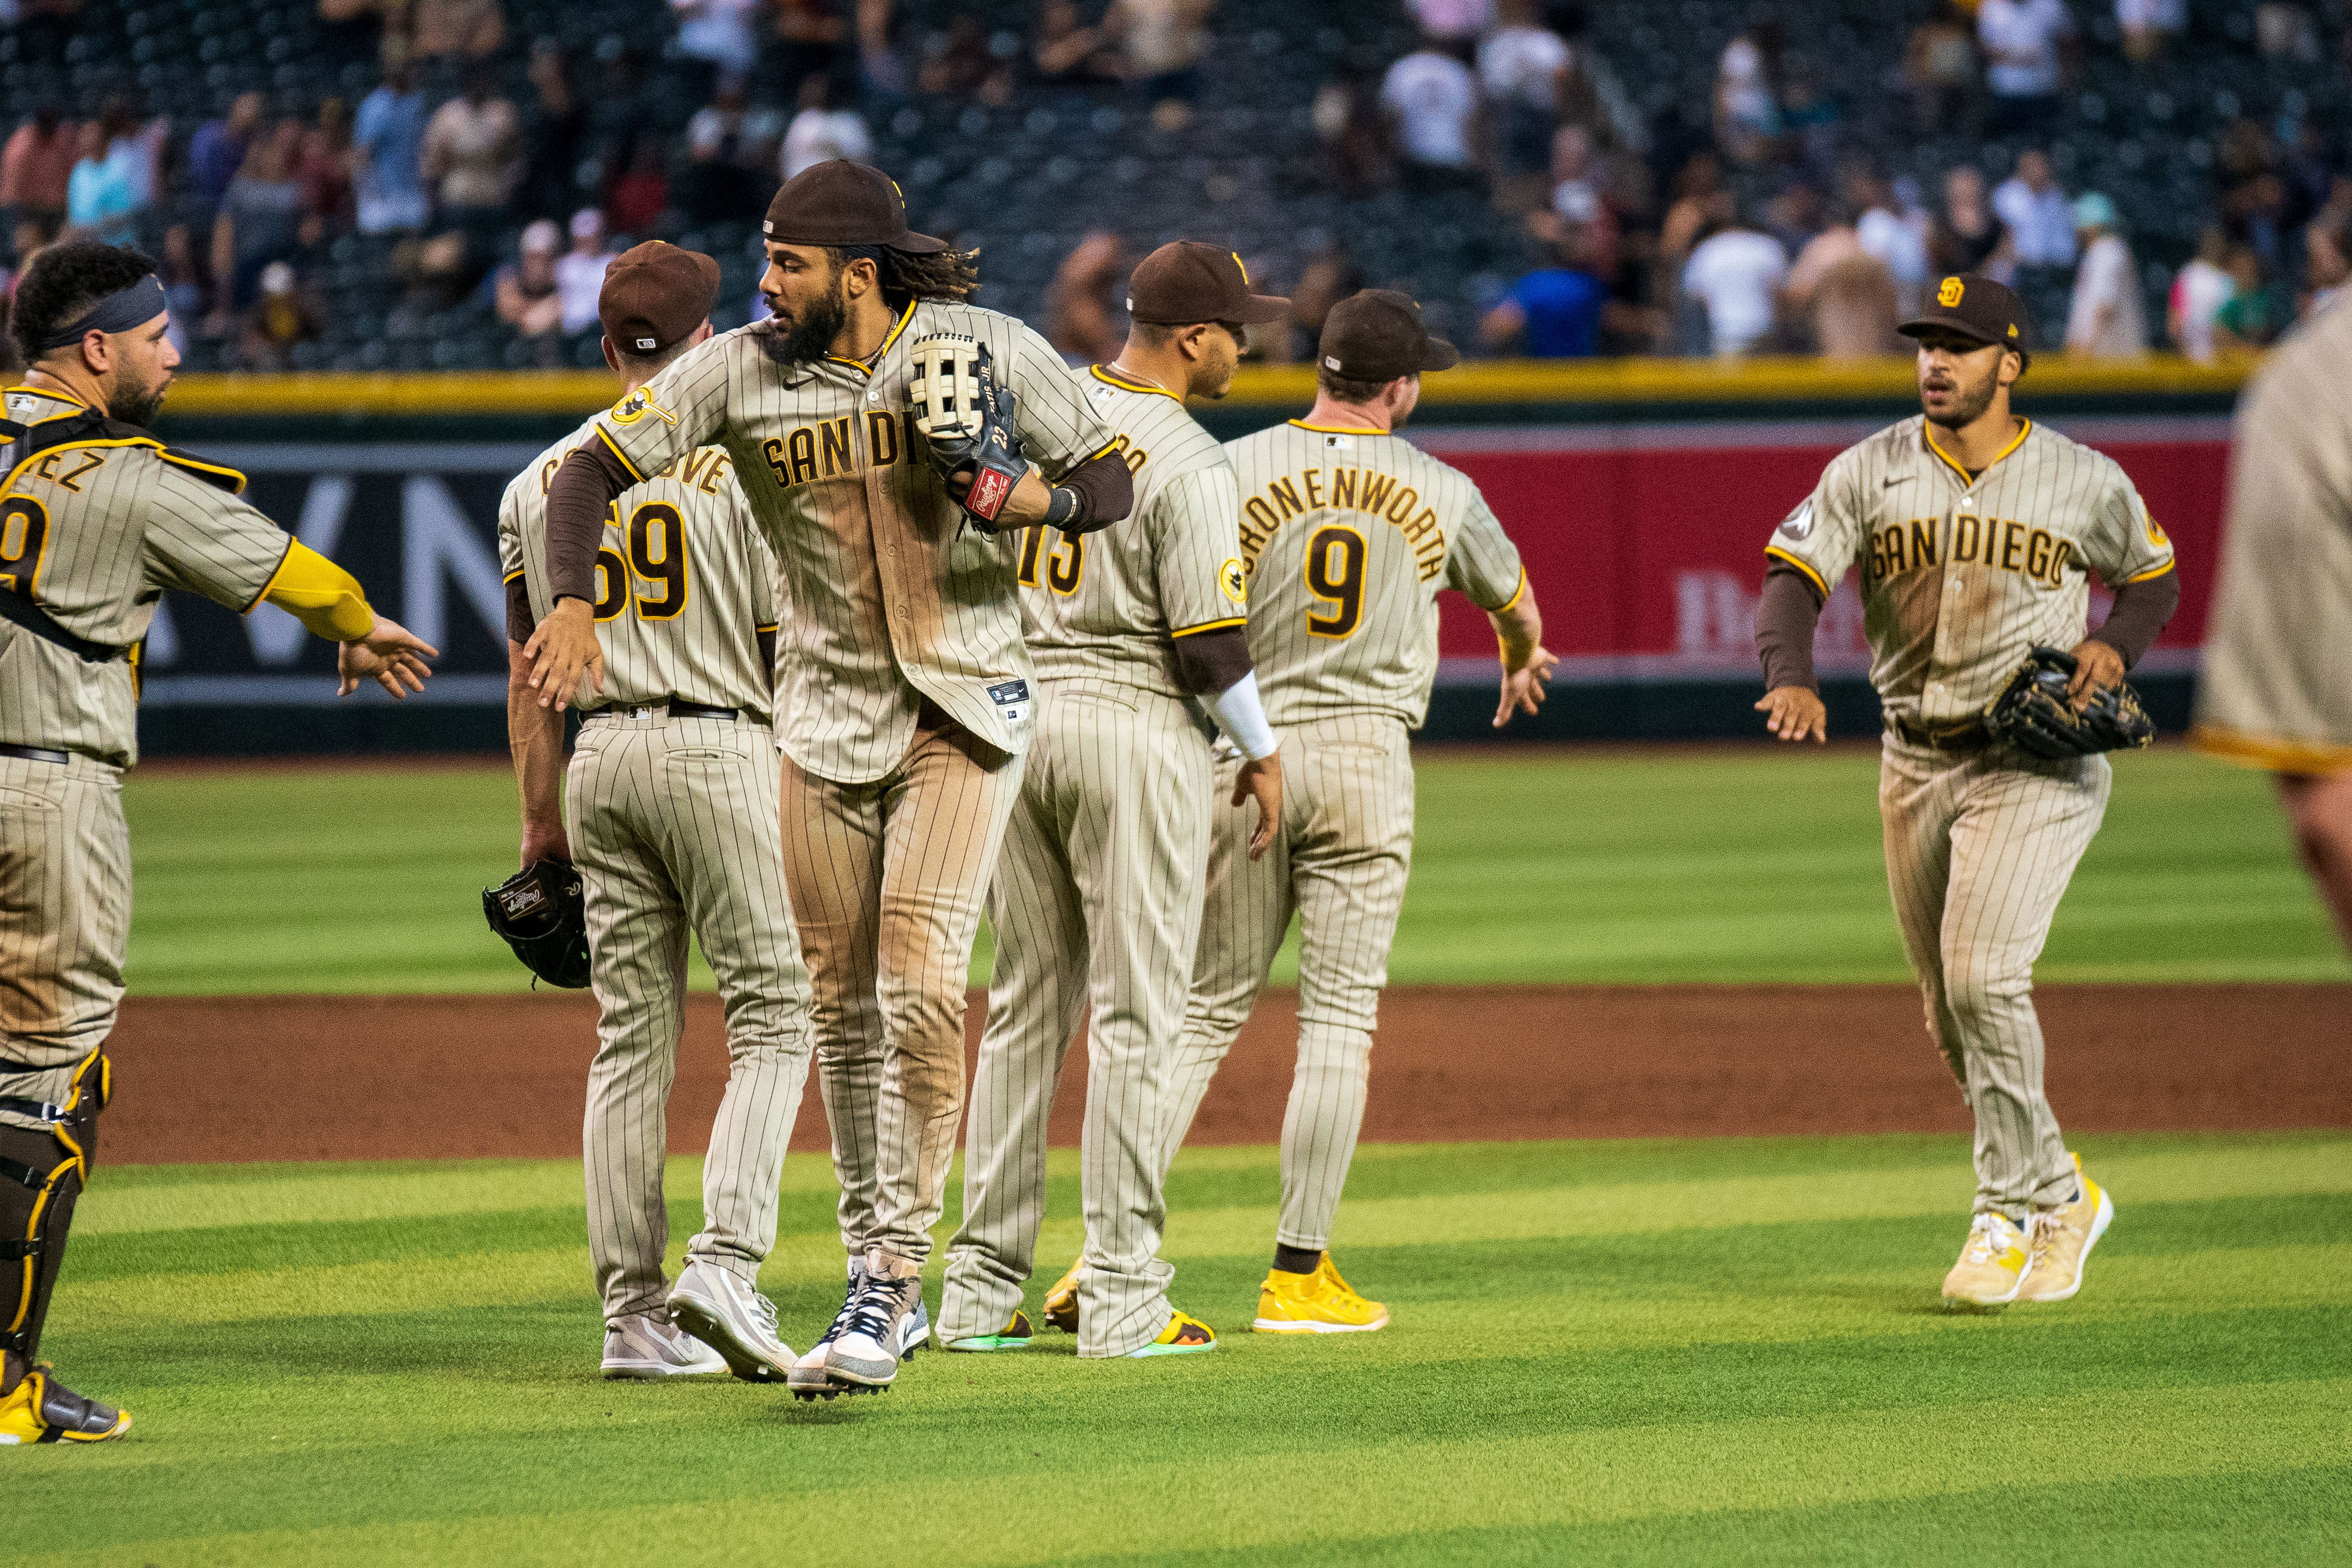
1773	217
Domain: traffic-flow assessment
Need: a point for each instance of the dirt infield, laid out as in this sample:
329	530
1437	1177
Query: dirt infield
316	1077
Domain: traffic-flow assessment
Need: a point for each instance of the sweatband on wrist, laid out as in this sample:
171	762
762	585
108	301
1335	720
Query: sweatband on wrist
1242	718
1061	506
126	308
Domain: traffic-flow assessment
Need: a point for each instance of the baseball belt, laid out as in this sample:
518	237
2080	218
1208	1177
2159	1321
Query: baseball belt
675	708
1962	738
35	754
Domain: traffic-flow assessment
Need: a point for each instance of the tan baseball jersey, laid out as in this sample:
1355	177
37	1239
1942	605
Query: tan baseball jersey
93	533
1960	577
684	582
1110	603
894	598
1348	535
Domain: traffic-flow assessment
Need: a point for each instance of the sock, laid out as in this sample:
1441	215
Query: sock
12	1370
1296	1259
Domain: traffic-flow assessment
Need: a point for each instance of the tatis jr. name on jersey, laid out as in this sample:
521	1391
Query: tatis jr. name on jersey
1366	491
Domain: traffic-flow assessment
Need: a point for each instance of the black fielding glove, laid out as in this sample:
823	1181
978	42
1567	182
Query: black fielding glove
541	911
2034	714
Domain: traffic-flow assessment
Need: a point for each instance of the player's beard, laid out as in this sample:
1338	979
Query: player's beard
137	405
1970	402
808	337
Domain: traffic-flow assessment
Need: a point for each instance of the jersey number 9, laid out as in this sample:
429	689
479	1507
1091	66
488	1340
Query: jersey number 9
23	533
1335	573
656	536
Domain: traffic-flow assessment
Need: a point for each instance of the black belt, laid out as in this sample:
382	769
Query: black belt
35	754
676	707
1971	736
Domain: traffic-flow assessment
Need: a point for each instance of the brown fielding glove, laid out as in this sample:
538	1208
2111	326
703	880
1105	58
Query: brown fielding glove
2034	714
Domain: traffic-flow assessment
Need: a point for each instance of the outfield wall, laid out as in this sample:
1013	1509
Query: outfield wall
1640	496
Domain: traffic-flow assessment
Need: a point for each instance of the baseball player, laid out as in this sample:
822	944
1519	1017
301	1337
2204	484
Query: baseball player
1097	900
904	695
98	518
2274	693
1348	531
1974	532
671	817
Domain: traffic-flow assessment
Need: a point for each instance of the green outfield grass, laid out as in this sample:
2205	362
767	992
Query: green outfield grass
1727	1350
1551	866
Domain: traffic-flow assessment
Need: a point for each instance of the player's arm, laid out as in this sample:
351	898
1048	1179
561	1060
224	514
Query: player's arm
1064	434
1528	665
1484	566
2133	554
1808	554
534	734
1195	537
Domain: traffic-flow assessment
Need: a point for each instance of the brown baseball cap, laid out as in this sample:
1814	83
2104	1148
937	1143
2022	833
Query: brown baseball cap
655	294
1185	281
1377	335
1973	306
842	202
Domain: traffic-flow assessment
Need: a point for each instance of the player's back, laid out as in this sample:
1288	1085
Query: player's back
684	584
1347	536
1112	602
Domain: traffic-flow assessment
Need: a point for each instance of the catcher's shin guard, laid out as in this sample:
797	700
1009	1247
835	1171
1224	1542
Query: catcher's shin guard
42	1172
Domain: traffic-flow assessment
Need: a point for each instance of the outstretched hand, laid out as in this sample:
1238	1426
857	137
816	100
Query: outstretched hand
1796	713
391	655
1524	683
563	648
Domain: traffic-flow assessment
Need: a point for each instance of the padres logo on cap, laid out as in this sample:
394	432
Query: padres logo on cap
1949	294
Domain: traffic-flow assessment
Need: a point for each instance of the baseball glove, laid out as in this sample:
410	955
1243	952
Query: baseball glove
2034	714
541	911
968	420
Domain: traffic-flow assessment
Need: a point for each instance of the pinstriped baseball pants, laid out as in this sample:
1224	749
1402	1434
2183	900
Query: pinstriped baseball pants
1097	900
1341	863
1979	850
65	920
888	881
674	829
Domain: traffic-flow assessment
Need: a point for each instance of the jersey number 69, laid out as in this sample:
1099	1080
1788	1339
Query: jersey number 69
656	536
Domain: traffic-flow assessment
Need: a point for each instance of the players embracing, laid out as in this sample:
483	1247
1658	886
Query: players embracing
1973	532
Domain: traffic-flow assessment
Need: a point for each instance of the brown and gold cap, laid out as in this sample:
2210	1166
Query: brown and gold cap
840	203
1377	335
1974	306
1185	281
655	294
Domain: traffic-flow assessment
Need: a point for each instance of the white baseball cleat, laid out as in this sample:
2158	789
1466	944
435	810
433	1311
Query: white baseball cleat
886	1325
735	1321
642	1345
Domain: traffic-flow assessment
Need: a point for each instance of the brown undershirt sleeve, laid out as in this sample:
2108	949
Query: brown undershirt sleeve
2141	610
577	501
1105	492
519	624
1208	662
1785	617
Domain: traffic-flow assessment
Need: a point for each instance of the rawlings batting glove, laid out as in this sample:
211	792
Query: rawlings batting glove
968	421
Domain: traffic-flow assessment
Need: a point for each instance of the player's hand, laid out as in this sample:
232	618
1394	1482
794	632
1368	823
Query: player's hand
544	841
2096	667
1523	684
391	655
563	648
1795	713
1263	778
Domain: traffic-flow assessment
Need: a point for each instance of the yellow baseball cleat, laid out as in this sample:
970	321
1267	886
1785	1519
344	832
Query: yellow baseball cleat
1317	1303
2062	1238
1991	1266
1184	1335
1060	1309
40	1411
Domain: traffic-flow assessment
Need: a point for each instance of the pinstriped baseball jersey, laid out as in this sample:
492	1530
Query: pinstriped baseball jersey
1959	575
893	598
94	533
684	582
1348	535
1110	603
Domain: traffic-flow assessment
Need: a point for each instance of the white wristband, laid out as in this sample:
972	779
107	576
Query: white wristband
1242	718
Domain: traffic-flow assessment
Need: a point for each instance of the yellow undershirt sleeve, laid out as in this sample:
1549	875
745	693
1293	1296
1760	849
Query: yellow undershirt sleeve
325	598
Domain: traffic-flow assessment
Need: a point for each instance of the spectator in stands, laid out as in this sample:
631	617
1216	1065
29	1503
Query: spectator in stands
1811	123
2286	29
636	202
461	33
529	299
2147	23
1747	103
36	167
1522	67
1557	310
1843	293
282	315
806	40
262	220
1328	278
469	155
724	142
1354	156
1967	237
1069	52
184	289
820	132
1941	72
1432	101
552	135
2106	321
1697	187
216	151
1579	195
2041	223
2258	311
388	147
2198	291
2327	248
102	200
958	63
323	161
2026	45
1735	273
720	34
1895	233
580	271
1160	42
1082	321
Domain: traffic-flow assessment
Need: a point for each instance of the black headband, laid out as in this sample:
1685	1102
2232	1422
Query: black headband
119	312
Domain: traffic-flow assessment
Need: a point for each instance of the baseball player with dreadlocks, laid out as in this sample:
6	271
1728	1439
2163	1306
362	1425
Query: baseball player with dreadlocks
98	518
883	431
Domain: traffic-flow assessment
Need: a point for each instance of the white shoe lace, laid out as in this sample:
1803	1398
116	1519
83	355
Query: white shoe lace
1991	1235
